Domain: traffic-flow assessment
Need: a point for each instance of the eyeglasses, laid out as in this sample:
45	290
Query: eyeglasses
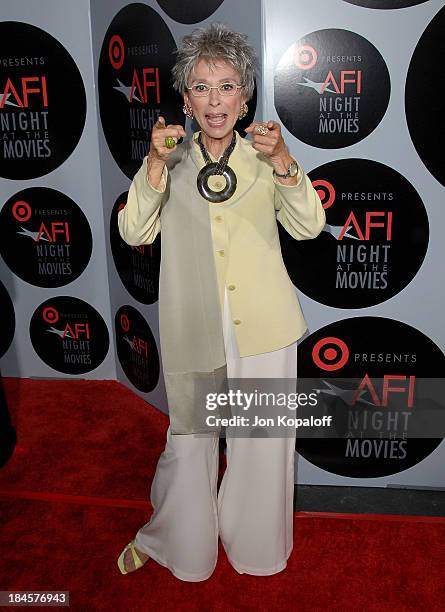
225	89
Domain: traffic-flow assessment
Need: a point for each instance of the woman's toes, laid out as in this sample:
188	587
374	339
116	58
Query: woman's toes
128	561
142	556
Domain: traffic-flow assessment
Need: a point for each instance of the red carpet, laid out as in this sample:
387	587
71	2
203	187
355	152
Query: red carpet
77	487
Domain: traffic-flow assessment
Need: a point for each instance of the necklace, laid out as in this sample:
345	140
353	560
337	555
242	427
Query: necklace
220	169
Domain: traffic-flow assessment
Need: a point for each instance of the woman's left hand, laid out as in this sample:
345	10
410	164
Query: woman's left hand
271	144
267	138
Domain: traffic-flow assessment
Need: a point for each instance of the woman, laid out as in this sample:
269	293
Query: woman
227	310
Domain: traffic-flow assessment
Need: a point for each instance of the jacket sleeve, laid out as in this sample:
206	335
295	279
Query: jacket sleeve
139	221
299	208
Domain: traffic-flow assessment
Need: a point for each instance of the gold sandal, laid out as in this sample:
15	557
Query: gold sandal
137	561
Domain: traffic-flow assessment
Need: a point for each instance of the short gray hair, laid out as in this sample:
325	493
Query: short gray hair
216	41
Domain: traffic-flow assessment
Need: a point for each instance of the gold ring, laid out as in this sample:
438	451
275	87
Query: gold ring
261	129
170	142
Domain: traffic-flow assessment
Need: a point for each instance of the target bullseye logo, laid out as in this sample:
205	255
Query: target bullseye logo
136	348
134	83
69	335
50	315
21	211
326	192
382	381
330	354
50	232
305	57
125	322
374	241
331	88
116	52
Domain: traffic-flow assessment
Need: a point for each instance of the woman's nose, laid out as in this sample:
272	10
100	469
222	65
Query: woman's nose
214	96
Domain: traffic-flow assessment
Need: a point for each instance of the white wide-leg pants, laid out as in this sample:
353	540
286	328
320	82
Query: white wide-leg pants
252	512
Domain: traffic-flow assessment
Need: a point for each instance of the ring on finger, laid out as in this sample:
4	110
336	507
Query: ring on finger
170	142
261	129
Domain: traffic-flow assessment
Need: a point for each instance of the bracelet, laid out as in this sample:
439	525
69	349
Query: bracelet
291	171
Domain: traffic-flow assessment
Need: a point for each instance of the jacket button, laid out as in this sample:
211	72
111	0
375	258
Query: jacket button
221	253
231	287
218	218
237	322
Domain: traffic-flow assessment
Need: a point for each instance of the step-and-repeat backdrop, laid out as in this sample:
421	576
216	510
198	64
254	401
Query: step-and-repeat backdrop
80	88
54	294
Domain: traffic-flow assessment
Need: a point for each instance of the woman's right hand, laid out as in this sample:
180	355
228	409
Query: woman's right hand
158	151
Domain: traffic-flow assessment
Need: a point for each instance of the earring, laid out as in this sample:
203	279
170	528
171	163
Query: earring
243	111
187	110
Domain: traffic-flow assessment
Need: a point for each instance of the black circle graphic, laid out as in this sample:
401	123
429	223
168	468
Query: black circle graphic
69	335
331	88
135	85
191	11
423	104
42	102
7	320
136	348
137	266
371	350
374	241
385	4
51	234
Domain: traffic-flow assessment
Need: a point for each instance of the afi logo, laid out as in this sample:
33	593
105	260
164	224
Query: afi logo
54	229
352	78
76	331
364	233
145	83
140	346
26	86
367	385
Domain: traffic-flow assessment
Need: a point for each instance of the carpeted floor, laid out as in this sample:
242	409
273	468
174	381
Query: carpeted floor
77	488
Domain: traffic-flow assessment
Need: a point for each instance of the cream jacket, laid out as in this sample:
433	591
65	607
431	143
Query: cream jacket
244	239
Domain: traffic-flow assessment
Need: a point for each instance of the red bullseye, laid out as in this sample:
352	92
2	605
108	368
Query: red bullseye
125	322
50	315
21	211
322	194
305	57
330	353
116	52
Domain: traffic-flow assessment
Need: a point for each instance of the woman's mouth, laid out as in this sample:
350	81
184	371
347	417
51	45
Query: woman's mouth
216	119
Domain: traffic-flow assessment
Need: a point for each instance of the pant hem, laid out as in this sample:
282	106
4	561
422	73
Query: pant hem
178	573
256	571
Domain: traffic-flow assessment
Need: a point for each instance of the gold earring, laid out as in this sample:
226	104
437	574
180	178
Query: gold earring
187	110
243	111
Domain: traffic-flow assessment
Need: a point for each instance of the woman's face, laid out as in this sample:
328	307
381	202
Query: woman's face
215	114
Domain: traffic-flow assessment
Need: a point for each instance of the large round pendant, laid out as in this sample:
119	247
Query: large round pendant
225	183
